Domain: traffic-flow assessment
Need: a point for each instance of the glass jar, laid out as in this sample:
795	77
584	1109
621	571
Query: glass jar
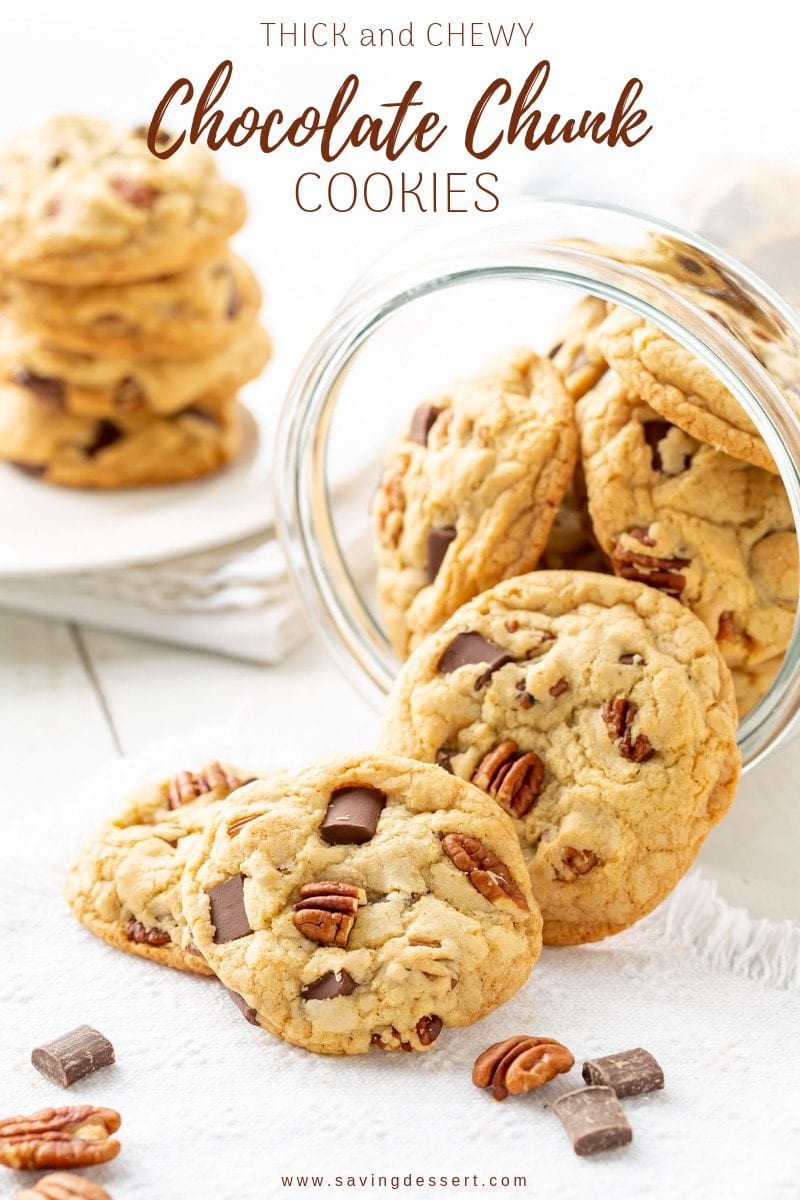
437	305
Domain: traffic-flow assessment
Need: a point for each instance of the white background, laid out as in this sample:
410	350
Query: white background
720	81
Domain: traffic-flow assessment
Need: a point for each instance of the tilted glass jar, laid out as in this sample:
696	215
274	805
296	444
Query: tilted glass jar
451	296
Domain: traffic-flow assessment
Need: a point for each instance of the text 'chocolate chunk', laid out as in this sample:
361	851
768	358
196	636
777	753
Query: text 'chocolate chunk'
422	423
329	986
352	816
438	541
629	1073
471	648
73	1055
593	1120
228	914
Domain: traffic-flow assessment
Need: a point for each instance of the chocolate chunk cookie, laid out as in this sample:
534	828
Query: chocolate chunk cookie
101	385
469	495
599	713
188	315
367	901
125	886
85	202
133	449
712	530
680	387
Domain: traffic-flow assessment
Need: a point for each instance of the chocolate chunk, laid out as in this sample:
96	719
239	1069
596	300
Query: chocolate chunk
52	391
593	1119
329	986
352	815
444	758
438	541
228	914
469	648
654	432
248	1013
553	351
422	423
135	931
629	1073
559	687
428	1029
73	1055
138	195
106	434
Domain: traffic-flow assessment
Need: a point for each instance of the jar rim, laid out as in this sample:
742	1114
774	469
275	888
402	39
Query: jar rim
316	561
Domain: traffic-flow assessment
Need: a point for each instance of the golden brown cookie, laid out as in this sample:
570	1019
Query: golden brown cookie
85	202
131	450
600	714
681	516
188	315
98	385
469	495
362	902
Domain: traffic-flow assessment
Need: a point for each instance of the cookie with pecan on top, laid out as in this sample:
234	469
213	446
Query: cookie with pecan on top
598	712
125	884
364	901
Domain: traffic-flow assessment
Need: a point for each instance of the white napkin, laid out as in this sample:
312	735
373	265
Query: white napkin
214	1109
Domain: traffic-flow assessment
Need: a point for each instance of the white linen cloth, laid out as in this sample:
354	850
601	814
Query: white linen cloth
214	1109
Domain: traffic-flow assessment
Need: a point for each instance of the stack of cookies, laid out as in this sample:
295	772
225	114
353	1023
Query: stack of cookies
127	325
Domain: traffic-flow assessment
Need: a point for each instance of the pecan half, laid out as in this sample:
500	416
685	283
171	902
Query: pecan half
135	931
187	786
575	863
662	573
487	873
520	1064
63	1186
511	777
326	911
77	1136
619	715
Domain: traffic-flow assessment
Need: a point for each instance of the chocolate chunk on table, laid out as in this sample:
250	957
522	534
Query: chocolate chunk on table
593	1119
73	1055
228	913
629	1073
352	816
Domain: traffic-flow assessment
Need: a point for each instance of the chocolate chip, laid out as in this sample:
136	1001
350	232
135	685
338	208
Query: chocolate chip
428	1029
329	986
45	387
438	541
593	1120
73	1055
559	687
471	648
244	1008
629	1073
228	913
352	816
106	434
444	758
422	423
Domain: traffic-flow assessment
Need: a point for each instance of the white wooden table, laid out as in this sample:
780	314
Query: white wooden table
71	698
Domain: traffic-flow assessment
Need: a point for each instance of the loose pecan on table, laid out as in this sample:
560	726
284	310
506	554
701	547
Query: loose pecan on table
63	1186
662	573
187	786
326	911
511	777
135	931
619	715
487	873
520	1064
77	1136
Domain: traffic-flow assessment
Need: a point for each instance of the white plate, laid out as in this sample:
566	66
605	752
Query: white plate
50	530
